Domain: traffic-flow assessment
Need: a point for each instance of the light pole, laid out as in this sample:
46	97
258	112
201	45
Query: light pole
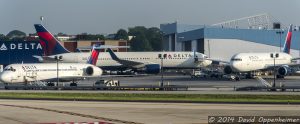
274	56
41	18
208	48
57	58
280	33
162	71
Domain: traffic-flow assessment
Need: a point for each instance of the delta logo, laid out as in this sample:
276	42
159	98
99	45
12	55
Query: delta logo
20	46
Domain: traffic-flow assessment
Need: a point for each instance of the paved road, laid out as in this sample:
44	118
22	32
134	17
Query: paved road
151	113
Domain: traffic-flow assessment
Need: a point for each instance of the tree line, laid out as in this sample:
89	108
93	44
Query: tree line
142	38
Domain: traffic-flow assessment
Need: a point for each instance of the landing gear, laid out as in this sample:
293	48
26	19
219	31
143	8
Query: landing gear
279	76
249	75
6	86
73	84
50	84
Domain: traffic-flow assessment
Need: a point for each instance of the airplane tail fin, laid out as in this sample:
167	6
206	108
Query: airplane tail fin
94	54
50	44
288	40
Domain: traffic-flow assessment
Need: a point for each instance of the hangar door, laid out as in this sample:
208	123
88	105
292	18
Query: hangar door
187	45
200	45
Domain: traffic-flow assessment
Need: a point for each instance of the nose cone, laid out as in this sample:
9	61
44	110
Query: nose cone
236	66
4	78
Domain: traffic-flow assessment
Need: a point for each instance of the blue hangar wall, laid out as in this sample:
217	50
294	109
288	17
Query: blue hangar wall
223	43
12	52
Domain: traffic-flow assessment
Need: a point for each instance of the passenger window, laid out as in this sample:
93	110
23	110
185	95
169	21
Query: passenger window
159	56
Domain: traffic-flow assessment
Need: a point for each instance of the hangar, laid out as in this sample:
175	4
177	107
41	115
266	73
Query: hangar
223	40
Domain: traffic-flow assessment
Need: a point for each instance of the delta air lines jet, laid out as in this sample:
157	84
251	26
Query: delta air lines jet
150	62
24	73
247	62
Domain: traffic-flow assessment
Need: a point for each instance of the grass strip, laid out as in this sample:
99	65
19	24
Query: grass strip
217	98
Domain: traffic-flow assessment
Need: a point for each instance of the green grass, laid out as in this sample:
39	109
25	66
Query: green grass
224	98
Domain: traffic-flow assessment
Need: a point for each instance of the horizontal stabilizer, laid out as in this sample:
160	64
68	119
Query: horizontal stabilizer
103	47
45	59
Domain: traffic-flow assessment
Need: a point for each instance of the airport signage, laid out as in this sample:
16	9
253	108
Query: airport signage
20	46
19	52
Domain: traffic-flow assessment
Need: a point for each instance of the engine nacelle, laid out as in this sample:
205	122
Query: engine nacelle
284	70
152	68
228	69
89	70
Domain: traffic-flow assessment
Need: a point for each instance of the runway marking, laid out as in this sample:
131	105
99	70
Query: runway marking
74	114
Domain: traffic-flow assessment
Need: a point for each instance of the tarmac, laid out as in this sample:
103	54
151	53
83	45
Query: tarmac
38	111
186	80
44	111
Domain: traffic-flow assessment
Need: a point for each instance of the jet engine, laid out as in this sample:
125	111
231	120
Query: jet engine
227	69
284	70
89	70
152	68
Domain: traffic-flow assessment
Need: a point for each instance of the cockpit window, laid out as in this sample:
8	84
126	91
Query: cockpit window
236	59
9	69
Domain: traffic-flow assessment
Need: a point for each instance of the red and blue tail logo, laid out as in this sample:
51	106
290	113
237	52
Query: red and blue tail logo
94	55
288	41
50	44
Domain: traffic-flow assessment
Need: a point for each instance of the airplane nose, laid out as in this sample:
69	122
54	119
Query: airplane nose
3	78
238	66
235	66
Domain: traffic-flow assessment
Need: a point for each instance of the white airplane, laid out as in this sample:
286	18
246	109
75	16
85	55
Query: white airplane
24	73
149	62
248	62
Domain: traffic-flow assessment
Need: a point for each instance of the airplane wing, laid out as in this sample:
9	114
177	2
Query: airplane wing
295	59
271	66
218	61
45	59
102	47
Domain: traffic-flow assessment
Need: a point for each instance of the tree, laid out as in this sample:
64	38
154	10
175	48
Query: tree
61	34
85	36
121	35
3	37
16	35
140	43
154	37
137	30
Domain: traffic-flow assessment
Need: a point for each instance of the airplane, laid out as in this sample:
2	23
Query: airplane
151	61
249	62
24	73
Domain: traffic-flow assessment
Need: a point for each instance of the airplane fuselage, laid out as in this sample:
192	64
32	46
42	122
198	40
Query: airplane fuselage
171	59
245	62
19	73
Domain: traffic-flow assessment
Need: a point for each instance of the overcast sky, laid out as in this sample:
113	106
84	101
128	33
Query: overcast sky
107	16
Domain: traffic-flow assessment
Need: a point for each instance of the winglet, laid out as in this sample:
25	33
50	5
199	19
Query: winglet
94	55
288	40
112	54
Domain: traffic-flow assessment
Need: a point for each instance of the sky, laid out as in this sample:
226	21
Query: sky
108	16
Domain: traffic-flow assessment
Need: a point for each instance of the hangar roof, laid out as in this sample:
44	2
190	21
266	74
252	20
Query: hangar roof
187	32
